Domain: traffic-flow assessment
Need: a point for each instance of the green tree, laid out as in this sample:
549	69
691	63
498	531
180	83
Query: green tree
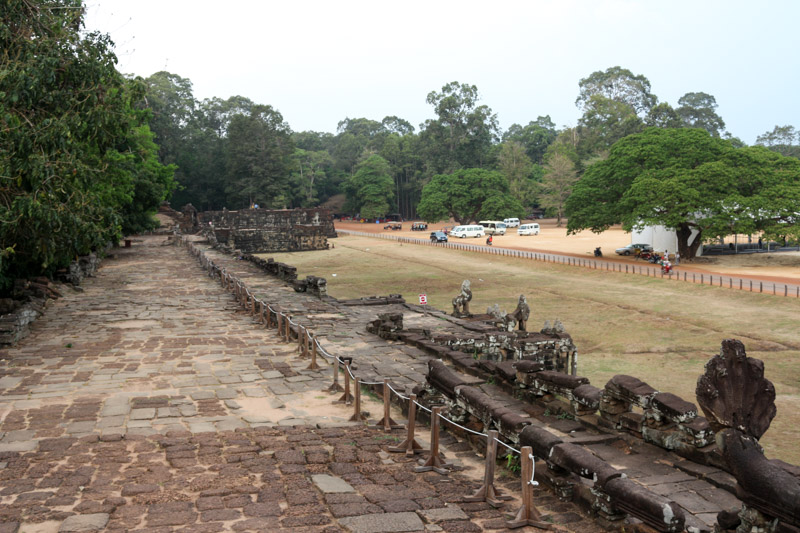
311	168
663	116
518	169
170	99
620	85
535	137
72	146
259	161
152	182
557	183
203	152
463	133
370	191
468	195
604	122
698	110
689	181
782	139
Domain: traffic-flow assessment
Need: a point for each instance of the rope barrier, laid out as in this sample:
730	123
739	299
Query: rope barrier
240	288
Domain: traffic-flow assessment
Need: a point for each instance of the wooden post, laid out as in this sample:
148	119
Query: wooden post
261	307
387	422
335	387
347	396
357	416
528	515
253	304
281	328
300	340
313	365
269	317
288	331
488	493
434	462
410	446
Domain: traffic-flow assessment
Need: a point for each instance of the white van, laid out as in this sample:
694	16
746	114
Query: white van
467	231
511	222
528	229
493	227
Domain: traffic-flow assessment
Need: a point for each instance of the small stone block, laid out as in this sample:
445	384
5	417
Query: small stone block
84	522
331	484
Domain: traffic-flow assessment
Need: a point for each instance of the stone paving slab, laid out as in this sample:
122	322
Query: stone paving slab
126	410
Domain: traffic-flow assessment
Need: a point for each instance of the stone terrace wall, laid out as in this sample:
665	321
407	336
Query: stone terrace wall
267	231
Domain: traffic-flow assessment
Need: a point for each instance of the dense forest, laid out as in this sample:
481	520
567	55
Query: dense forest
78	164
87	154
234	153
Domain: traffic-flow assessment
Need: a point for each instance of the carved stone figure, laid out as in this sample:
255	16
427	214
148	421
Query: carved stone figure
740	404
519	316
461	302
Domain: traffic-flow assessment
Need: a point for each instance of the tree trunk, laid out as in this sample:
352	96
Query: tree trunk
684	233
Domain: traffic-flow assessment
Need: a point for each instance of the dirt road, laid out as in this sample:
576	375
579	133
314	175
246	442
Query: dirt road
783	267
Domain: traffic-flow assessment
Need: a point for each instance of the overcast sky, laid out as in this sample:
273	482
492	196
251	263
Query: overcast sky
318	62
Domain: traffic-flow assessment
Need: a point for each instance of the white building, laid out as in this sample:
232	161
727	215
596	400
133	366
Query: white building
661	239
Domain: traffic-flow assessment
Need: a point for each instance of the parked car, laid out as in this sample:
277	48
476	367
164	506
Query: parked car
631	249
419	226
471	230
493	227
438	236
528	229
393	226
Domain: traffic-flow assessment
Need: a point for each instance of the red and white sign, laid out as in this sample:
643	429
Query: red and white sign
423	299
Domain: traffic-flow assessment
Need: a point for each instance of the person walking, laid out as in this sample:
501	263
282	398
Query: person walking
677	258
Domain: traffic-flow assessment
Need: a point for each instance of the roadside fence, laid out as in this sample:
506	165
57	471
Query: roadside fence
715	280
308	346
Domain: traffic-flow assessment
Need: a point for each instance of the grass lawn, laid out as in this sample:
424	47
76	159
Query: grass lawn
658	330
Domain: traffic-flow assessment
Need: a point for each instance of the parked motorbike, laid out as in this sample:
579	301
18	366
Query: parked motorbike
598	252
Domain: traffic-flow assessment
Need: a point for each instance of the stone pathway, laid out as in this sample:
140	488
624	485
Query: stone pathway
701	491
151	402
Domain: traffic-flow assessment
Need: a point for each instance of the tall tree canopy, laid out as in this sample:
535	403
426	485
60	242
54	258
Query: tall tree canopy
557	183
463	133
620	85
260	150
782	139
468	195
77	161
699	110
370	191
535	137
687	180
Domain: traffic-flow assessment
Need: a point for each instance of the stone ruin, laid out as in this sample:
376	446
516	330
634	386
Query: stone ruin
461	301
740	405
185	220
268	231
733	393
312	284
